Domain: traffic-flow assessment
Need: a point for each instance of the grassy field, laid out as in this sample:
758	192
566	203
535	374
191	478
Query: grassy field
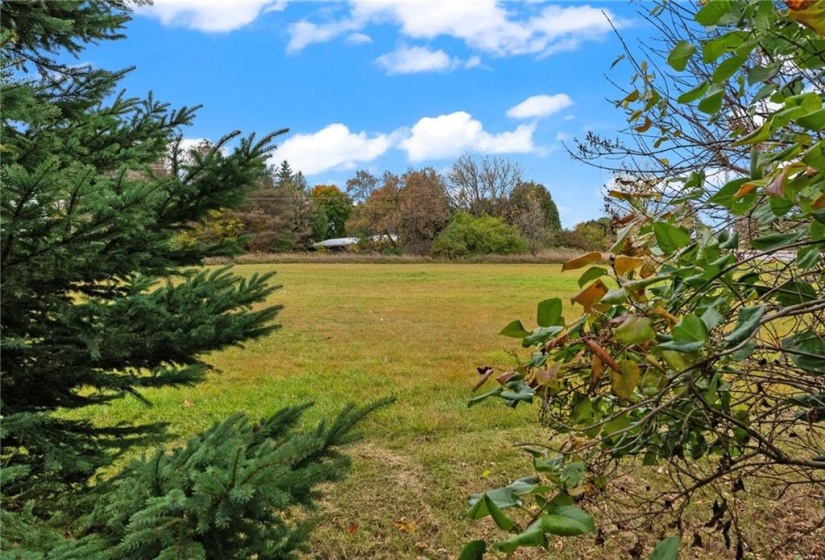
356	332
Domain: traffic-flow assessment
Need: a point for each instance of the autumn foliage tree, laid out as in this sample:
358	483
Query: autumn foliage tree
697	354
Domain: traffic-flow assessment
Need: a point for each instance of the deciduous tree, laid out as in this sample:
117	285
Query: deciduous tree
424	209
703	356
482	184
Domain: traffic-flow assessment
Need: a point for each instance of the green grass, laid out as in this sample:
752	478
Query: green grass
356	332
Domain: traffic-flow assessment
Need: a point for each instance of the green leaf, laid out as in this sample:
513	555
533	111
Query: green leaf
679	56
635	330
712	102
532	536
502	497
473	550
591	274
746	324
540	336
501	518
807	258
615	297
567	521
549	313
774	241
713	49
813	121
759	135
667	549
728	68
712	12
477	399
669	237
515	330
807	350
689	335
712	318
693	94
794	292
572	474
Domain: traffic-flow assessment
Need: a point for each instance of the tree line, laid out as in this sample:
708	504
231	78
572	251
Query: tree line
481	205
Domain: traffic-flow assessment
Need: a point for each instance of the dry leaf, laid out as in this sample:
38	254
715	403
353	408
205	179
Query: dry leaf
622	265
590	296
581	261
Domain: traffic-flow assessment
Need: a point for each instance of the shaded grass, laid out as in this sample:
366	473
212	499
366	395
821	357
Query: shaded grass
356	332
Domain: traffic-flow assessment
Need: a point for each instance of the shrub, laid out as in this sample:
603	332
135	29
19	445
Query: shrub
478	235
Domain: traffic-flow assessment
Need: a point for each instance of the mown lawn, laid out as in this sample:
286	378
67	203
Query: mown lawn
356	332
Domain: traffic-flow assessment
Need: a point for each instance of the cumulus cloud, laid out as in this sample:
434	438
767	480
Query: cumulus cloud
488	27
210	15
413	60
539	106
332	147
449	135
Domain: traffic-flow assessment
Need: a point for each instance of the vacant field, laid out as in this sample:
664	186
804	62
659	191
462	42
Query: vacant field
355	332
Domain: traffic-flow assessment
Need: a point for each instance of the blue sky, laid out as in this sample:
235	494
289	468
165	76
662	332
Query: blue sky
387	85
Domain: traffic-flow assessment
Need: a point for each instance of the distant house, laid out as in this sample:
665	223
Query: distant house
337	244
343	243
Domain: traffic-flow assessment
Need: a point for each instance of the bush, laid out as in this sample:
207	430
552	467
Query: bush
483	235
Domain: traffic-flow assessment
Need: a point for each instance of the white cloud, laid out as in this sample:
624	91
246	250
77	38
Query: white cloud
473	62
332	147
490	27
305	33
210	15
413	60
449	135
540	106
359	39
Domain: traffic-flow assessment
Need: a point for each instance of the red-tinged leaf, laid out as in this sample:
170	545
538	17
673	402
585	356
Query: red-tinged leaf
819	203
352	528
581	261
602	354
482	379
505	377
596	370
591	295
777	186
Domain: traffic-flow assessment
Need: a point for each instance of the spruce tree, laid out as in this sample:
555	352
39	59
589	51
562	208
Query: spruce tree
99	302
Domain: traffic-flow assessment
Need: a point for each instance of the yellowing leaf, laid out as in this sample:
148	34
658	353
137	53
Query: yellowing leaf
624	383
662	313
819	203
745	189
581	261
622	265
810	13
590	296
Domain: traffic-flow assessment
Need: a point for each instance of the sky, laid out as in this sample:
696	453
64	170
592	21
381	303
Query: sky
389	85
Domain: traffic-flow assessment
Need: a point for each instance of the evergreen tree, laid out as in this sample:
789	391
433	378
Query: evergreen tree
284	176
98	304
